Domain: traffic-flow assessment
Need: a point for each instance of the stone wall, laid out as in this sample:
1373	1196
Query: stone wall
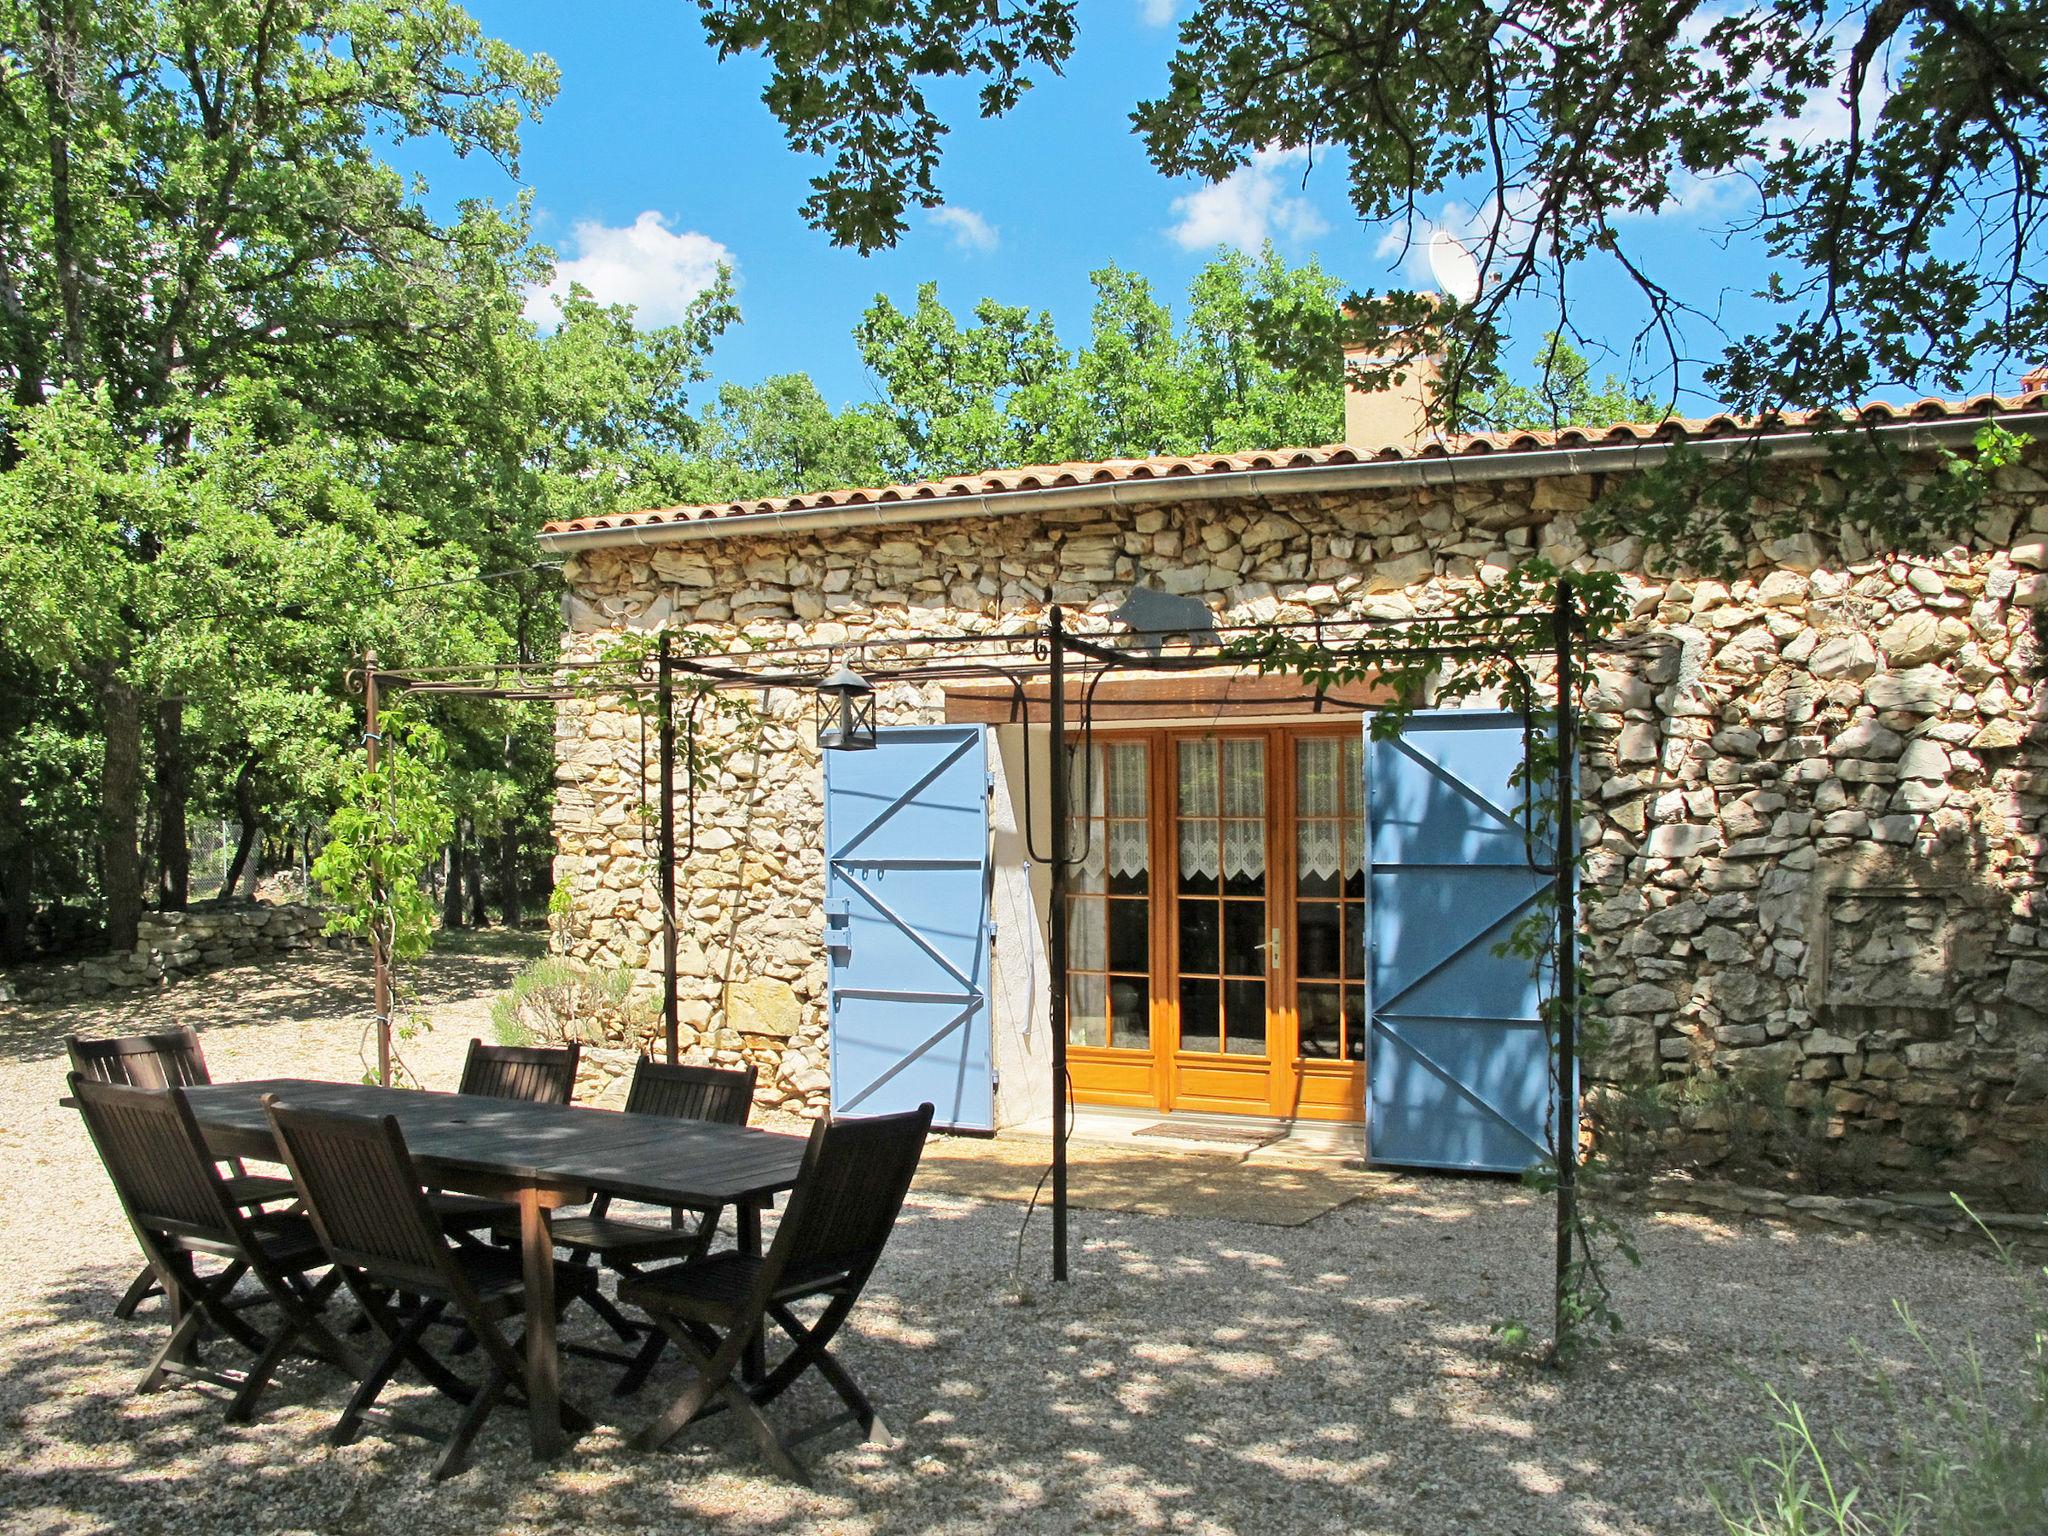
170	945
1817	790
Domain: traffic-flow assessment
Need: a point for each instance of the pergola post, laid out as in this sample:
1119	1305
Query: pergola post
664	692
1563	622
380	958
1056	938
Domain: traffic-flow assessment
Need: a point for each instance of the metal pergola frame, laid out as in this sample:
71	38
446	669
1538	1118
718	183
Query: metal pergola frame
1043	652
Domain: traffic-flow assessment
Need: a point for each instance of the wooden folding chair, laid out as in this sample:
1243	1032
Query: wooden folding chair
537	1074
364	1196
169	1059
533	1074
848	1194
719	1095
181	1209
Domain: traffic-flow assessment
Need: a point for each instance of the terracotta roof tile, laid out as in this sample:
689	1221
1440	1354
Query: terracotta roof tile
1031	477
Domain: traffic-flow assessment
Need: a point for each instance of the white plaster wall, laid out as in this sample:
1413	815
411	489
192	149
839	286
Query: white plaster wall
1021	1029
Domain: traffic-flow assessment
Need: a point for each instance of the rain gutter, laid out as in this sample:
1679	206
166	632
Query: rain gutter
1450	470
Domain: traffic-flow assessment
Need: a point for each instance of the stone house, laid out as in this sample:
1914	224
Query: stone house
1818	795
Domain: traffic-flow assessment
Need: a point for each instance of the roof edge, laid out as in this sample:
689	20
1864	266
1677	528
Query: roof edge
656	528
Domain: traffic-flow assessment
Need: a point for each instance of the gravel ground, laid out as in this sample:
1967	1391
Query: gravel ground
1197	1375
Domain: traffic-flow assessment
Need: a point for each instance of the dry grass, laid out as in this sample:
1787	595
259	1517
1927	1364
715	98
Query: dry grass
1199	1375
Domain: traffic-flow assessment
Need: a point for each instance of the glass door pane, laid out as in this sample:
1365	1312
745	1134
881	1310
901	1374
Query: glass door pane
1329	896
1109	905
1220	918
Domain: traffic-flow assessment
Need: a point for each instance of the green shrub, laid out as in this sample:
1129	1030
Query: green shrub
1965	1458
555	1000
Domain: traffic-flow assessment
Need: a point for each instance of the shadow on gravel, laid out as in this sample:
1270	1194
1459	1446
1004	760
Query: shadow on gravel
1199	1375
308	986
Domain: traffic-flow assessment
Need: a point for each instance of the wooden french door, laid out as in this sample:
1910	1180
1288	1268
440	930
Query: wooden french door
1216	927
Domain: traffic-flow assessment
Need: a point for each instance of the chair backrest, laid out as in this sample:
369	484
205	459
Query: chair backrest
719	1094
170	1059
847	1197
156	1155
362	1192
538	1074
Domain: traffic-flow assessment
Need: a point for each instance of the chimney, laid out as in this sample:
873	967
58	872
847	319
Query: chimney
1395	415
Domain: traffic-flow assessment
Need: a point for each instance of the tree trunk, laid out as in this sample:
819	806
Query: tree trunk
451	893
508	877
17	867
473	866
173	790
245	808
120	804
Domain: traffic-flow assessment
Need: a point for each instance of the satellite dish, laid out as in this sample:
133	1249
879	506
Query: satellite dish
1453	267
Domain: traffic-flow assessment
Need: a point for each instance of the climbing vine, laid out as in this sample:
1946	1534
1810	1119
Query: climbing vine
715	723
392	822
1500	640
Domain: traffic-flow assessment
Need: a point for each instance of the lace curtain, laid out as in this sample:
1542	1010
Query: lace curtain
1240	853
1329	849
1116	786
1227	777
1328	843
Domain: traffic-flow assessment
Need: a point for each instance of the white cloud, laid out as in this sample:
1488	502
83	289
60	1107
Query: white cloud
1157	13
1246	208
968	229
646	264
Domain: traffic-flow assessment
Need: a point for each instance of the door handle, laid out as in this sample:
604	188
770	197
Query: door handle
1271	948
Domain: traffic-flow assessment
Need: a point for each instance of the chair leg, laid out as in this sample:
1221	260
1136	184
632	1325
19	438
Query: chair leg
634	1377
242	1407
299	1327
176	1350
766	1440
455	1454
811	1351
715	1381
140	1289
323	1340
195	1302
714	1370
403	1340
620	1324
211	1297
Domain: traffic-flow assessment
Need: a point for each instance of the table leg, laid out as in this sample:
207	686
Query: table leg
747	1216
543	1361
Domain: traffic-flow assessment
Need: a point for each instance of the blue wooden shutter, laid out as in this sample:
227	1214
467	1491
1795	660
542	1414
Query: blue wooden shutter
1458	1065
906	925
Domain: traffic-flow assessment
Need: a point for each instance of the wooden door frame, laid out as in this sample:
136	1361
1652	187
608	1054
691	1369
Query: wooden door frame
1285	1073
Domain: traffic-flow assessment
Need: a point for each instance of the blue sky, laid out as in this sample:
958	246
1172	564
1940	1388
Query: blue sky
656	160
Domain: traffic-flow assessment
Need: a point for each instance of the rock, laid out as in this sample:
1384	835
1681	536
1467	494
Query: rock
1868	739
1919	797
2026	983
1643	997
1387	575
1998	736
1851	656
1678	840
1612	692
2032	553
1637	743
1921	691
1782	589
763	1007
1919	637
1923	759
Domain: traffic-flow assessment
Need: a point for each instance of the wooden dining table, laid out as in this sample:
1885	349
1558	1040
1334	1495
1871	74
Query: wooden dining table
540	1157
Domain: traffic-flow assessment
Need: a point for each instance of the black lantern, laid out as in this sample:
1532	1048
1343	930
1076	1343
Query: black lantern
846	711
